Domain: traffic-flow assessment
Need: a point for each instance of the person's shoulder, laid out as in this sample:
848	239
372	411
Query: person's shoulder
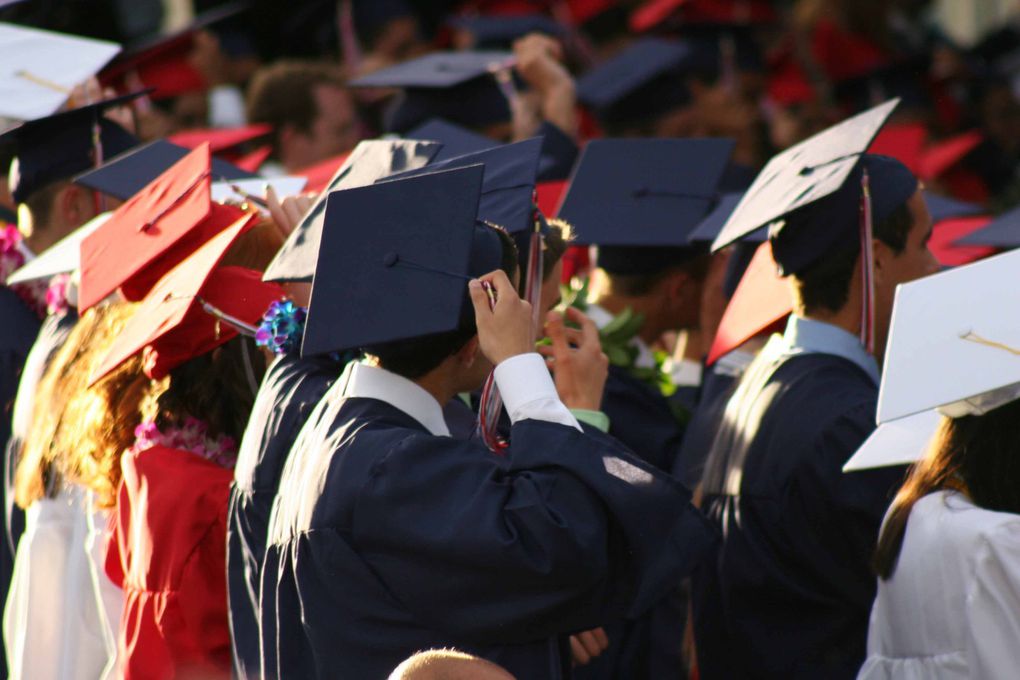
21	325
953	517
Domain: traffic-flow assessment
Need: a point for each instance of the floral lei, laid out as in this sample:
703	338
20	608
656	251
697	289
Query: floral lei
191	436
282	327
44	297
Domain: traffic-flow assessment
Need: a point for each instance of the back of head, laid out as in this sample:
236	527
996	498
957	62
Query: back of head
79	431
283	93
974	454
415	357
448	664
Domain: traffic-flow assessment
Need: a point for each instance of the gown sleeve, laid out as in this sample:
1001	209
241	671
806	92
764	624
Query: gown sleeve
993	605
557	539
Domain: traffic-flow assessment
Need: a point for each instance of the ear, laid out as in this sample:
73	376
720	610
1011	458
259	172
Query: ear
70	205
883	256
468	354
677	284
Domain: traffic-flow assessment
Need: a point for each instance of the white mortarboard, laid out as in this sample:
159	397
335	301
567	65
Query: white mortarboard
954	342
240	189
898	442
38	69
62	257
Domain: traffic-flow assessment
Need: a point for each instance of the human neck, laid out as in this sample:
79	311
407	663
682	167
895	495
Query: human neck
440	383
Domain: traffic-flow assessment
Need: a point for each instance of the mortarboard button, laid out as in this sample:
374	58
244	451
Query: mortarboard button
644	192
125	175
370	161
39	69
196	307
427	229
153	231
825	166
950	346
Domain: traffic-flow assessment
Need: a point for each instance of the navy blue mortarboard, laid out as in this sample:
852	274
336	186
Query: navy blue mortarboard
125	175
459	86
508	184
499	32
810	194
456	140
943	207
60	146
395	261
644	81
1002	232
640	199
708	229
371	160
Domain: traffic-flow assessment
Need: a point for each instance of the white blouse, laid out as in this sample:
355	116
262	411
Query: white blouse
952	606
62	610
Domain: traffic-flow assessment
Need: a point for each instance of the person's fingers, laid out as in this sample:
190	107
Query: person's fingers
275	209
589	331
555	329
591	645
504	289
578	652
546	351
479	299
293	212
601	638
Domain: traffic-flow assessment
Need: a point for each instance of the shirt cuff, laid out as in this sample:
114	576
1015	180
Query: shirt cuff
596	419
528	391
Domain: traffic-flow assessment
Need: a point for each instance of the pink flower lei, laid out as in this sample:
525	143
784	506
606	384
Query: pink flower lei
191	436
44	297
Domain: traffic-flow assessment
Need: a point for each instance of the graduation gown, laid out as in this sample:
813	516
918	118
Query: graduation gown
958	572
168	553
387	539
641	418
290	390
789	591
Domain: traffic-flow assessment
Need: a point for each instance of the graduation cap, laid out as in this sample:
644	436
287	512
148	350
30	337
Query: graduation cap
953	344
162	62
456	139
508	185
643	81
942	207
153	231
656	13
710	226
499	32
125	175
640	199
244	189
898	442
60	258
371	160
945	244
463	87
39	69
195	308
395	261
810	194
1001	232
220	139
57	147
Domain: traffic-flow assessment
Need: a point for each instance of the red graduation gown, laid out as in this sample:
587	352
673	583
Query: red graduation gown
168	552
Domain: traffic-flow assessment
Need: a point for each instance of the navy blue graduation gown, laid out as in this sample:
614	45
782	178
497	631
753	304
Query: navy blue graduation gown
405	541
290	390
641	418
716	390
789	593
19	329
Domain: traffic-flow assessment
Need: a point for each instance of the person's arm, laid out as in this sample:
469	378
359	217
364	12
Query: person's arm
539	65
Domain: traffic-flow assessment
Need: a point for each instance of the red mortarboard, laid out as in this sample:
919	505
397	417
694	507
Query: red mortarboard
946	232
761	301
904	142
549	195
251	162
163	65
178	319
321	173
788	85
581	11
842	54
721	12
220	139
941	156
153	231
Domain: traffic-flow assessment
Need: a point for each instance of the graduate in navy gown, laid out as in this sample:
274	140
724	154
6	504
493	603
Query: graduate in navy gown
791	588
388	536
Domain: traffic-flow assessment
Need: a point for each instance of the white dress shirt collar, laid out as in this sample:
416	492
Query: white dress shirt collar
371	382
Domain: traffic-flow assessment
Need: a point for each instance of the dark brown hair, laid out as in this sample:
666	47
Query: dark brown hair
825	284
284	93
976	455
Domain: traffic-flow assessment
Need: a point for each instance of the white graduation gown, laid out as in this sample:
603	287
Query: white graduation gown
62	610
952	607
